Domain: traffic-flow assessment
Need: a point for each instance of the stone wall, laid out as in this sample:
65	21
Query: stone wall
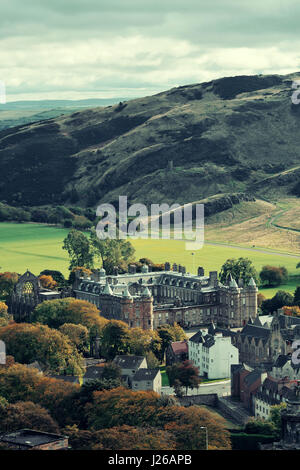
210	399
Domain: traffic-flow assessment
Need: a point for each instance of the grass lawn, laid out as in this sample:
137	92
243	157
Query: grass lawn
38	247
164	377
206	381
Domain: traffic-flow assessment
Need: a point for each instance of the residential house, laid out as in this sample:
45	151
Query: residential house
176	352
147	379
130	365
212	353
284	367
245	382
271	392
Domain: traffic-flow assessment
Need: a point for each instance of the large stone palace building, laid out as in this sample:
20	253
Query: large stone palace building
149	299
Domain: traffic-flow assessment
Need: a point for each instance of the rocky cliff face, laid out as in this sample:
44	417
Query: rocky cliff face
233	135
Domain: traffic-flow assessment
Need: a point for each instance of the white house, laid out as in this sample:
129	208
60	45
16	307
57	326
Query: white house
212	353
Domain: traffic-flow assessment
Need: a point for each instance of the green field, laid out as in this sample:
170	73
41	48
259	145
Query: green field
38	247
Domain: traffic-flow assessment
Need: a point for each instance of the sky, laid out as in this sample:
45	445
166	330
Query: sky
78	49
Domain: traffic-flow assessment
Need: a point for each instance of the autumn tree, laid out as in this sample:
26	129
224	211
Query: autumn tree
79	249
81	270
4	316
7	283
47	282
292	311
28	415
56	313
189	426
143	341
74	404
53	350
118	407
185	374
275	417
58	277
19	383
77	334
152	361
133	438
241	268
122	406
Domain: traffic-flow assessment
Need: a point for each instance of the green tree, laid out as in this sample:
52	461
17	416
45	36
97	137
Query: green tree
152	361
115	339
169	334
111	371
275	417
79	249
241	268
273	276
260	426
297	296
280	299
112	253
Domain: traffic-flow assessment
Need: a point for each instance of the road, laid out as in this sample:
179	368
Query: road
260	250
221	388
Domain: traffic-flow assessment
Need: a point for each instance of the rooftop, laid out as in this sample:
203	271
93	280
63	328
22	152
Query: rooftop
128	362
30	438
145	374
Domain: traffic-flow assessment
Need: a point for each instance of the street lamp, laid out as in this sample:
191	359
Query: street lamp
206	436
193	255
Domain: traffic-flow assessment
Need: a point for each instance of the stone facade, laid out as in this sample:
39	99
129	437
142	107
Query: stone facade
27	294
149	299
262	344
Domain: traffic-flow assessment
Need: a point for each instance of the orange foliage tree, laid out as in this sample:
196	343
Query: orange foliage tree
29	343
293	311
26	415
47	282
119	407
7	282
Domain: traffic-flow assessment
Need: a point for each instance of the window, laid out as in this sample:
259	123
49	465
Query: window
28	288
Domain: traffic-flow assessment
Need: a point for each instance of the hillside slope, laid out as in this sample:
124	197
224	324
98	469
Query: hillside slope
238	134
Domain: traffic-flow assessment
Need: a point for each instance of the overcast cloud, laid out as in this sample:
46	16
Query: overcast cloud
127	48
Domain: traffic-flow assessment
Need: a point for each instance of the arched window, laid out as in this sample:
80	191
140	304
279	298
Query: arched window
28	288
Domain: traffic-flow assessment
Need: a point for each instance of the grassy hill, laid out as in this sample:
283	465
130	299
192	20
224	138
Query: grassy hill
237	134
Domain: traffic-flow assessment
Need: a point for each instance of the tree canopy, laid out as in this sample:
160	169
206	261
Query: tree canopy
53	350
241	268
273	276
